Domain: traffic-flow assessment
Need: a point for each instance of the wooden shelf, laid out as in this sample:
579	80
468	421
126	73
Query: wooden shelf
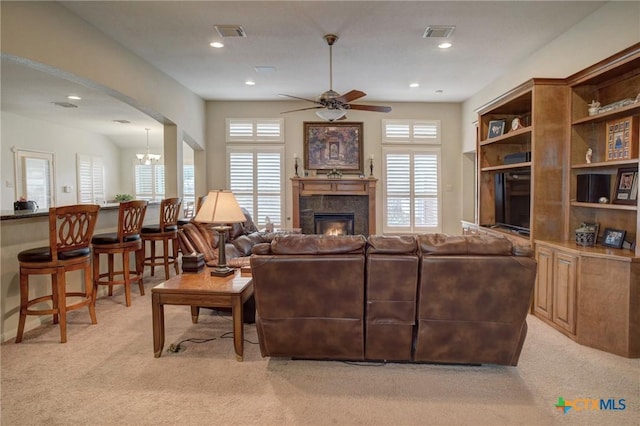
604	206
610	115
506	167
606	164
511	137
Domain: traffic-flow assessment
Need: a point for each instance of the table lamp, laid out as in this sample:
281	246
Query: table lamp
220	208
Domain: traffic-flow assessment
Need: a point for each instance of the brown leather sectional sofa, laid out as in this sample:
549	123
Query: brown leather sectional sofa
428	298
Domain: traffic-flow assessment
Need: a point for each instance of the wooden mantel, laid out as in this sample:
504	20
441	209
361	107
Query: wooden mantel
307	186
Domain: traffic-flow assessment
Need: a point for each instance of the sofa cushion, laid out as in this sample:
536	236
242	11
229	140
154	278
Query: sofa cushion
317	244
444	245
381	244
244	244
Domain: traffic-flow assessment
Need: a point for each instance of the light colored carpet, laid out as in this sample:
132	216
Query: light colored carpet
106	375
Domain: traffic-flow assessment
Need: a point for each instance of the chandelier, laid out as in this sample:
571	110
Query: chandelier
147	158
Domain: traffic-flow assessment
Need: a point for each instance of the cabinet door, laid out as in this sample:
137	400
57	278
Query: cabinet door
564	294
543	302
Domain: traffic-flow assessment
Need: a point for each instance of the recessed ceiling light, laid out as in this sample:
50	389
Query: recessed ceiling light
445	45
216	44
414	85
250	83
74	97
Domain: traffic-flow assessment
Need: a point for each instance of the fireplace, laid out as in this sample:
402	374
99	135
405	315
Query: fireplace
313	195
333	223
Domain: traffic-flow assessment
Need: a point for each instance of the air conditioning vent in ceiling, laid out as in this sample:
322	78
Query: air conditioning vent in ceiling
230	30
65	104
439	31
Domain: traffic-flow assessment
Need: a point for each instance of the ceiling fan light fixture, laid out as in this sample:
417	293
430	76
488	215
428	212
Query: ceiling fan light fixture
331	114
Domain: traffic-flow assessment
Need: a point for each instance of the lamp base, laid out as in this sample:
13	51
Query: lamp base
222	271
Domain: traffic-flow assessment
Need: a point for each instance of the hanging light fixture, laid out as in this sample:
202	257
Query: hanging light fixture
147	158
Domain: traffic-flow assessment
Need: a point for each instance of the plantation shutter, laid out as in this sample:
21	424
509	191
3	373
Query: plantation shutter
255	178
90	179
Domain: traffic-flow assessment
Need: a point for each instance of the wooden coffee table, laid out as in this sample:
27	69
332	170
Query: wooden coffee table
201	290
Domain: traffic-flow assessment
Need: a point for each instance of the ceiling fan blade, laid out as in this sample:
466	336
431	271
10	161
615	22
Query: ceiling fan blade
302	99
369	108
351	96
302	109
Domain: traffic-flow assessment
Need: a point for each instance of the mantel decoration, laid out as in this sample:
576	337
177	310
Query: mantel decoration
148	158
333	147
334	174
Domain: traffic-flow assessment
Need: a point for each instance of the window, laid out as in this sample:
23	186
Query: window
411	174
255	178
34	177
90	170
149	182
255	130
411	132
188	183
256	170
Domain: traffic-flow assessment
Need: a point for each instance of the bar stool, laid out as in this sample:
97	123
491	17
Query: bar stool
70	232
126	241
166	231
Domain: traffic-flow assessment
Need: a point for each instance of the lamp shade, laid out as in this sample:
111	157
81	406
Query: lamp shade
220	207
331	114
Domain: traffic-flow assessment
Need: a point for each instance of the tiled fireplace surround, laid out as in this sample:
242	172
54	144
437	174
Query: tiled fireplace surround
322	195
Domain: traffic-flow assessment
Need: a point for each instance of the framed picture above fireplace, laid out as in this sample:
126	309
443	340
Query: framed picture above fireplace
333	146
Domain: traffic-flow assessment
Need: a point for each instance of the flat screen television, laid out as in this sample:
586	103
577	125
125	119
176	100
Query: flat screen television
513	200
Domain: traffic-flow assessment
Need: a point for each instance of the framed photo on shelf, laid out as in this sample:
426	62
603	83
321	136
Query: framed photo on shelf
613	237
622	139
496	128
626	189
329	146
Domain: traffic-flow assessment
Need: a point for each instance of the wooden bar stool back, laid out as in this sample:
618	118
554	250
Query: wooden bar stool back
166	232
126	241
70	231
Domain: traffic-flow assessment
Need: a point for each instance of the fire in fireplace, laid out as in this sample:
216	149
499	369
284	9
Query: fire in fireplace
333	223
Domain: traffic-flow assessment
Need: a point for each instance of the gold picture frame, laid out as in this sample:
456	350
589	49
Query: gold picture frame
333	146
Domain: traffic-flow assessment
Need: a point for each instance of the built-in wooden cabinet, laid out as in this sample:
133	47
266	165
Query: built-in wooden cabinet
528	153
554	298
591	294
615	85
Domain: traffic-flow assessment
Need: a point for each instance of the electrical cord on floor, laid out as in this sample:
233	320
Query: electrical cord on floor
229	335
175	348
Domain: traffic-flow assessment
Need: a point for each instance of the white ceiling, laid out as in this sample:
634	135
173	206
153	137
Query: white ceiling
380	51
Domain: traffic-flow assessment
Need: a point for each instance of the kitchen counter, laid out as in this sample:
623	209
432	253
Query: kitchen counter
23	214
26	229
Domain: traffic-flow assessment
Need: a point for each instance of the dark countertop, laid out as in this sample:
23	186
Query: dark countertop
25	214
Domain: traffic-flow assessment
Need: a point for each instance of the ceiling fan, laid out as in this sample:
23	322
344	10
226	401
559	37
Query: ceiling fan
330	104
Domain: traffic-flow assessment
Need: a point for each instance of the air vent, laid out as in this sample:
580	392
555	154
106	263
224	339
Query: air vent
65	104
230	30
122	121
264	69
442	31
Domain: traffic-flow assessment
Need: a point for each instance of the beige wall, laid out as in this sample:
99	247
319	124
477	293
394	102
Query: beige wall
608	30
64	142
47	33
447	113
